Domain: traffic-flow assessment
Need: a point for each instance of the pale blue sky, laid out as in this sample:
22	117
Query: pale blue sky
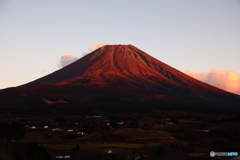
196	35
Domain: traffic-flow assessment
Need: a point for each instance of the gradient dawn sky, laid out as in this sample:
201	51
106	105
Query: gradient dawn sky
200	37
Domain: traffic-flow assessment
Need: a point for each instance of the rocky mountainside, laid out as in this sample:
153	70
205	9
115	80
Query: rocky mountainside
120	73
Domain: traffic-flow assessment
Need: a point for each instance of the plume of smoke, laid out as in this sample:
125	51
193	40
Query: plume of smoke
66	60
226	80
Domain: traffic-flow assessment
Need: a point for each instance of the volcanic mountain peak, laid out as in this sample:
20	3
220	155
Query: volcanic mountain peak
125	65
107	59
124	50
113	63
121	73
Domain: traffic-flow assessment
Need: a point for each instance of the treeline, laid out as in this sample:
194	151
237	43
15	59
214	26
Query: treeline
23	151
13	130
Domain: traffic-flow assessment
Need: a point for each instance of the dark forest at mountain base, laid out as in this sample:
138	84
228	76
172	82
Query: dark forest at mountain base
156	134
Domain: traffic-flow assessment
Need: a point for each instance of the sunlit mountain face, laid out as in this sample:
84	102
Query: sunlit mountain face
121	75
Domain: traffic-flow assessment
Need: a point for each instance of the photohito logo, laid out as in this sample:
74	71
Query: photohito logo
212	153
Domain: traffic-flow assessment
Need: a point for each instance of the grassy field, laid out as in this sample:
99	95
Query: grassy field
120	139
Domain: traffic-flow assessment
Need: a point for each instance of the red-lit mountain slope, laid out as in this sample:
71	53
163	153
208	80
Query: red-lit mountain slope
121	72
126	65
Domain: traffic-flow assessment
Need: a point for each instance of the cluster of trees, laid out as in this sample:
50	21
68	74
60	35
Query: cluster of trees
19	151
23	151
29	151
14	129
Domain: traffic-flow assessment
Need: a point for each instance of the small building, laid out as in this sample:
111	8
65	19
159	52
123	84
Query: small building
109	151
119	122
169	123
81	133
56	130
67	157
70	130
63	157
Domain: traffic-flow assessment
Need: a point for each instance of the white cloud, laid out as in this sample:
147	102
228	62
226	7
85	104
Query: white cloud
66	60
226	80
